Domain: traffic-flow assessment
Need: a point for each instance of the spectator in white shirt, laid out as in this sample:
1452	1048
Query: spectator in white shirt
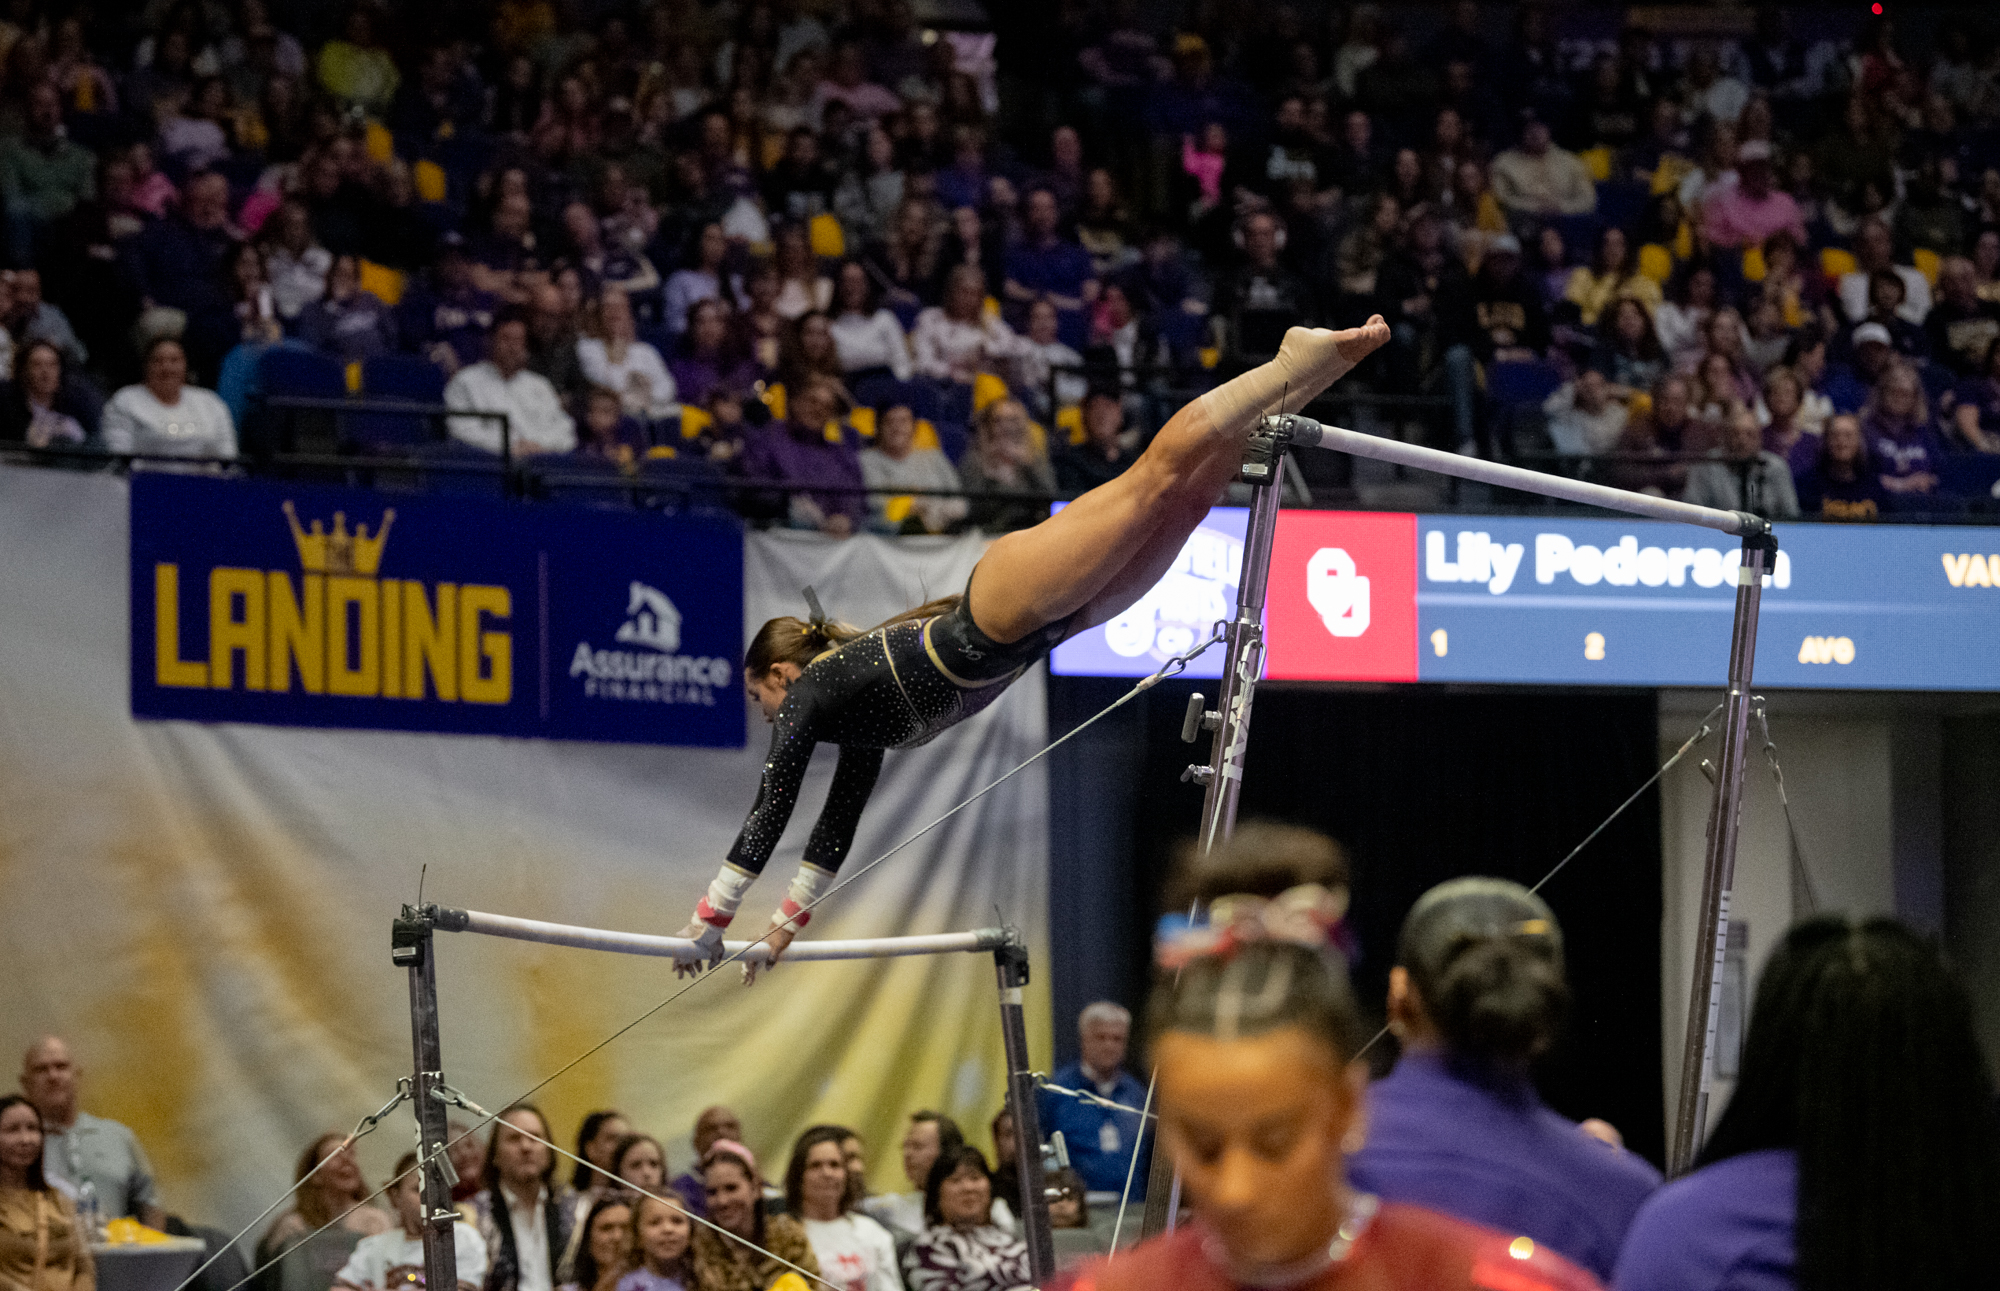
165	415
523	1215
867	338
1040	355
294	261
393	1260
614	358
894	461
956	341
502	383
854	1252
1584	420
1874	250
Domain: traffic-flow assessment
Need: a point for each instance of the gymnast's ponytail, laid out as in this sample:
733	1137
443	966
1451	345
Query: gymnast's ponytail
795	641
1485	960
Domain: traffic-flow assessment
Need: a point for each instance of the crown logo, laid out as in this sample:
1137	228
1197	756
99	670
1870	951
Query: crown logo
339	552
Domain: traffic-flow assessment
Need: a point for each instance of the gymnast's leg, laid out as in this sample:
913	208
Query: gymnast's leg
1102	551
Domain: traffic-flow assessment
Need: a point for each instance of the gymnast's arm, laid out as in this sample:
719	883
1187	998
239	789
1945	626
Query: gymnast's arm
792	742
853	781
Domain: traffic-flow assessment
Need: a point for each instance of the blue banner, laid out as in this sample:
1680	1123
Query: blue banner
300	605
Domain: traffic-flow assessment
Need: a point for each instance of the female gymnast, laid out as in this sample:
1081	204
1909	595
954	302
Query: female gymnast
903	682
1262	1095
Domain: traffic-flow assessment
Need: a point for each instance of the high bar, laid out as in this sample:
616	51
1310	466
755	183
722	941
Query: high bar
1307	433
447	919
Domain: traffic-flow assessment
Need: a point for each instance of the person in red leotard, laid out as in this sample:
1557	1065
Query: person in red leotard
1261	1097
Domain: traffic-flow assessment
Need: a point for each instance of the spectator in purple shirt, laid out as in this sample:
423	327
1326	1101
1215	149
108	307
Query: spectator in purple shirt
1045	265
799	453
1478	992
1859	1148
1897	425
709	359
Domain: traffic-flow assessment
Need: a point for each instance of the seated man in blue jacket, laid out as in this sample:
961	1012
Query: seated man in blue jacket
1100	1140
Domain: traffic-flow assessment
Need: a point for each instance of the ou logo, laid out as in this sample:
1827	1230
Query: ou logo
1338	593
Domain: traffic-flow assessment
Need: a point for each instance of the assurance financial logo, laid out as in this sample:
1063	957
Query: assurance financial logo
646	665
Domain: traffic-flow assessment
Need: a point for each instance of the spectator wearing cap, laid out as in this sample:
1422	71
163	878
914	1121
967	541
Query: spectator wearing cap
447	319
1477	993
1872	349
502	383
1537	178
1753	208
1510	324
1873	253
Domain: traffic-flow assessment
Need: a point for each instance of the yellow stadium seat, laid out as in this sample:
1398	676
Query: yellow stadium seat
694	420
897	509
1928	263
1754	268
1684	241
863	421
386	283
1038	435
1656	262
989	307
662	450
833	432
428	179
354	377
1639	405
926	436
379	143
829	241
1070	420
1835	261
1211	355
774	399
987	389
1598	162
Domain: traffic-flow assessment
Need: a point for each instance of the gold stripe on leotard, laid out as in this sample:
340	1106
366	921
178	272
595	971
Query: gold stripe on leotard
953	677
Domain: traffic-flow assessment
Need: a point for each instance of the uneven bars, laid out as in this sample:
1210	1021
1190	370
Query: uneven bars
448	919
1307	433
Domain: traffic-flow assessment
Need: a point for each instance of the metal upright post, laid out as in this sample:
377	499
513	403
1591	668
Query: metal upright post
411	947
1760	551
1010	962
1222	776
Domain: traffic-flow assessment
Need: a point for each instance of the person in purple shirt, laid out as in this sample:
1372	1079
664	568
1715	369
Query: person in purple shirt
1897	425
1044	265
709	359
1477	993
821	471
1859	1150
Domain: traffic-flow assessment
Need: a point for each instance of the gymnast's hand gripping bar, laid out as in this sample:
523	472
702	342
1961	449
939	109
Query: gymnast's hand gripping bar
1304	432
448	919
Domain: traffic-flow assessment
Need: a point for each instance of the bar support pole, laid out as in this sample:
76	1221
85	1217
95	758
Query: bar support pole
1760	551
1222	776
1010	963
411	948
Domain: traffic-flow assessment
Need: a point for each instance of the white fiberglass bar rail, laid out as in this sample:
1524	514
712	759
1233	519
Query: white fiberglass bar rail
683	950
1307	433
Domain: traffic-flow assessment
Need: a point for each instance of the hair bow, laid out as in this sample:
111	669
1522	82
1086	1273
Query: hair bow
1310	915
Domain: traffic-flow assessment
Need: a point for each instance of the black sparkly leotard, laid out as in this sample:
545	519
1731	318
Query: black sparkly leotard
896	688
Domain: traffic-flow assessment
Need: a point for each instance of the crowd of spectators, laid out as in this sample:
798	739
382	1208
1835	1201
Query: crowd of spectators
618	1219
811	245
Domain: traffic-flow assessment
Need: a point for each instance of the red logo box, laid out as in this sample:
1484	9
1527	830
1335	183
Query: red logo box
1342	604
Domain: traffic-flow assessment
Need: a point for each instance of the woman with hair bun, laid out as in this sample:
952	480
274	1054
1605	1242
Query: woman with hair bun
1859	1149
1261	1097
908	680
1477	994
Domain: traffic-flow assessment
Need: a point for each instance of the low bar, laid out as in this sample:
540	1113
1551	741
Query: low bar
681	949
1307	433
